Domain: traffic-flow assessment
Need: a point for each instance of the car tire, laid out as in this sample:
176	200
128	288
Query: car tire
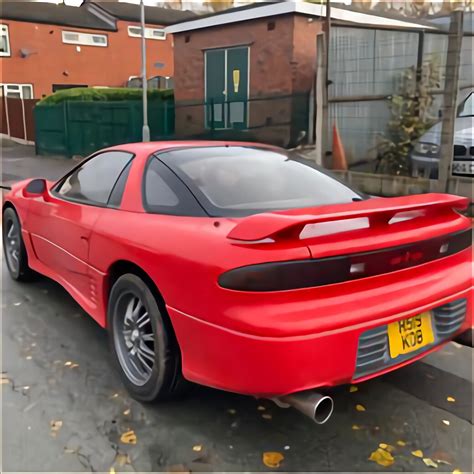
142	342
14	248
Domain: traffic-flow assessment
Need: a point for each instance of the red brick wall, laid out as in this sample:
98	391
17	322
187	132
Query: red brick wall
270	56
282	63
53	62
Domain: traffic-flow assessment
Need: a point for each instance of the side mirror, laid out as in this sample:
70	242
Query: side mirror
35	188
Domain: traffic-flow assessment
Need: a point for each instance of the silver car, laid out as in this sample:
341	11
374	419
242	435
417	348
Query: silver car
425	155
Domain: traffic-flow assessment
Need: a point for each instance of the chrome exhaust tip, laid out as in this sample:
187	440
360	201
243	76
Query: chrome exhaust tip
315	405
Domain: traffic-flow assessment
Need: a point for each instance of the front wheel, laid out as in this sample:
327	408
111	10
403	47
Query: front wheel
143	345
14	247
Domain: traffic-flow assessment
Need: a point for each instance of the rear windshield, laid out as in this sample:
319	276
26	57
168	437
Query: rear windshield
238	180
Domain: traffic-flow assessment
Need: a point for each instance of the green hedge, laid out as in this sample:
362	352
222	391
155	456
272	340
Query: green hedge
108	94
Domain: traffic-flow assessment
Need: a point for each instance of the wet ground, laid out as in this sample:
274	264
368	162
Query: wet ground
64	409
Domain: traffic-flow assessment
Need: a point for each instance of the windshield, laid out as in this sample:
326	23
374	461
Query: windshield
238	180
467	109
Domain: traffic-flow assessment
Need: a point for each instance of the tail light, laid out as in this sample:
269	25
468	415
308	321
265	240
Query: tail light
290	275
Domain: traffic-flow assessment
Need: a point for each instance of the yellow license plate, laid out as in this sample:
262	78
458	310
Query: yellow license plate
410	334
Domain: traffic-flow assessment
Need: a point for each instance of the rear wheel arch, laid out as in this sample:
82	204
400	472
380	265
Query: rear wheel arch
122	267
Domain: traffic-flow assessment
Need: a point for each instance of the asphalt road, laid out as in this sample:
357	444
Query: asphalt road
64	408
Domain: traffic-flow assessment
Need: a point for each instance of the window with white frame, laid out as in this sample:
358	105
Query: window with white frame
17	91
150	33
4	41
86	39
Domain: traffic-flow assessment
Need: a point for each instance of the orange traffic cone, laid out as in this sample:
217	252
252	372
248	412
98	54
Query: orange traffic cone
339	161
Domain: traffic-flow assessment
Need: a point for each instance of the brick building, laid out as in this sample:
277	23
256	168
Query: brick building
254	67
45	47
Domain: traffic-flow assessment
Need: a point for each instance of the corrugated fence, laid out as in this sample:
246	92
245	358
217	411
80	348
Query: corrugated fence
80	128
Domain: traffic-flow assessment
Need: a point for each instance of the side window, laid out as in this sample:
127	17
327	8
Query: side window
94	180
115	198
165	193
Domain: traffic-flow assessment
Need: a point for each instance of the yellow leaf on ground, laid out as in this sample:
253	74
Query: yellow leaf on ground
197	448
387	447
129	437
112	470
356	427
267	416
401	443
272	459
360	407
430	463
68	363
127	412
382	457
457	471
451	399
55	426
446	422
122	459
261	408
418	453
353	388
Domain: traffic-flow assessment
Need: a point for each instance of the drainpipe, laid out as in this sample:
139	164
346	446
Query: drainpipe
146	128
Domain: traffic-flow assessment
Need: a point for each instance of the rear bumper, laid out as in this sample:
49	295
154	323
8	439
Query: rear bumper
268	366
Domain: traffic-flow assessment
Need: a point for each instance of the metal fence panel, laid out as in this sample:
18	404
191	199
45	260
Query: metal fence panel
80	128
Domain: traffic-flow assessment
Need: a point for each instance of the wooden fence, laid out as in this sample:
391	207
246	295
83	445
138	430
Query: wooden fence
17	121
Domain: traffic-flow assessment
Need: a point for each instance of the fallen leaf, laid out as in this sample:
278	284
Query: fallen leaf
127	412
430	463
231	411
28	357
261	408
356	427
442	461
401	443
272	459
17	304
457	471
69	451
418	453
4	381
129	437
286	448
387	447
56	425
115	395
73	366
446	422
122	459
197	448
353	389
267	416
382	457
451	399
360	407
68	363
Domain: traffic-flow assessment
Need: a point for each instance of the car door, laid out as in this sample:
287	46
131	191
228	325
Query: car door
60	224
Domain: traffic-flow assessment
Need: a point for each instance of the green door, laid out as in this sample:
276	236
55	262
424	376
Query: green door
227	88
215	88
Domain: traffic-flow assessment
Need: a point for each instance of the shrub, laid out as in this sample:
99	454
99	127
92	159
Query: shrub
84	94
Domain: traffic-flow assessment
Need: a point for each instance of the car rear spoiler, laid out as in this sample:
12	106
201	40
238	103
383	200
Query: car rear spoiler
378	210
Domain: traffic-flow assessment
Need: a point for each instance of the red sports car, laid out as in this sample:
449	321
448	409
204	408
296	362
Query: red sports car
244	267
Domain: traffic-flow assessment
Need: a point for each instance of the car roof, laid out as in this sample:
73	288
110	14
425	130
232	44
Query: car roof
152	147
